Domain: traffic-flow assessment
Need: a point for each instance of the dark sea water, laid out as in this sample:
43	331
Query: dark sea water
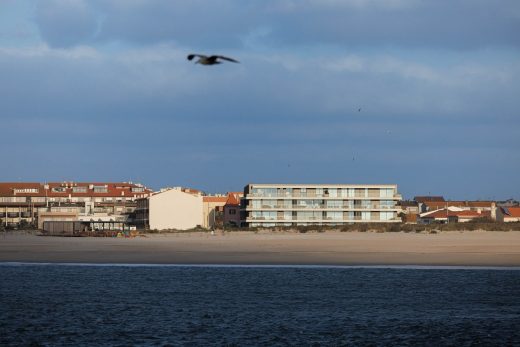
57	305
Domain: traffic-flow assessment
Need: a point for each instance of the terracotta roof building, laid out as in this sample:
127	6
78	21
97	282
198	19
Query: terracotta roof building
508	214
452	215
21	202
232	215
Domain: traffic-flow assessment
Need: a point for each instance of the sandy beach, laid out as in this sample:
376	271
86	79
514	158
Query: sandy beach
468	248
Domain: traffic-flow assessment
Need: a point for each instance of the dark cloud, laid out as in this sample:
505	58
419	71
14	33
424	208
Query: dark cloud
437	83
461	24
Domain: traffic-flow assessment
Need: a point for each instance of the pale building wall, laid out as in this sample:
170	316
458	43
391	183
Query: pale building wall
209	212
174	209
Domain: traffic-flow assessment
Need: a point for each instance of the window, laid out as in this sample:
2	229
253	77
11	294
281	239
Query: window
334	203
335	215
268	203
386	192
137	189
232	211
365	215
386	215
387	204
314	215
267	192
59	189
25	190
100	189
365	203
79	189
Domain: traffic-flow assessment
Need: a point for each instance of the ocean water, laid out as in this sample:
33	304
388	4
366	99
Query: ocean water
65	305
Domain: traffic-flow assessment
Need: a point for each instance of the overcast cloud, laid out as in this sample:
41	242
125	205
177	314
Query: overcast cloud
101	90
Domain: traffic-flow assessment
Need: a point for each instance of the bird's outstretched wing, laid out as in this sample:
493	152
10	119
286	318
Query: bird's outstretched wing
191	56
224	58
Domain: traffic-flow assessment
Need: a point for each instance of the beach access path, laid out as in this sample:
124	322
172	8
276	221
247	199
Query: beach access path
449	248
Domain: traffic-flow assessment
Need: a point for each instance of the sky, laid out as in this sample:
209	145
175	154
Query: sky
422	94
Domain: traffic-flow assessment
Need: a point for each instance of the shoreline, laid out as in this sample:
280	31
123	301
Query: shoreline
363	249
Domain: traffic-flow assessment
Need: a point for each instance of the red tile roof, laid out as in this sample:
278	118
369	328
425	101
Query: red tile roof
119	189
433	205
221	199
512	211
442	214
233	199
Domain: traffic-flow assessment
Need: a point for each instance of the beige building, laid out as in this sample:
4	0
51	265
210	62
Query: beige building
269	205
213	211
175	208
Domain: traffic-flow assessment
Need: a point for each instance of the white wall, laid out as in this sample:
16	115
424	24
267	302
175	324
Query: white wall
174	209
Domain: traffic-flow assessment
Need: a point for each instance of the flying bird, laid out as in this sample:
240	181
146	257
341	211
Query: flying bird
211	59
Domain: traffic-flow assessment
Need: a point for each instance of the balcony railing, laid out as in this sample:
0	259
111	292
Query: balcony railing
322	207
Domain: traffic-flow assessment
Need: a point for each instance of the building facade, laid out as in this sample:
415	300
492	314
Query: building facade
232	215
174	208
269	205
23	203
213	211
508	214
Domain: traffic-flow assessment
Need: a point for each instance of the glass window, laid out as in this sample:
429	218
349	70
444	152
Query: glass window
268	203
334	204
387	204
365	215
333	192
334	215
100	189
386	192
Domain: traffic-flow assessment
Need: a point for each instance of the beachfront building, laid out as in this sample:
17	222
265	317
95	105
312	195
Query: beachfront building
232	215
269	205
213	210
452	214
487	208
171	208
32	203
508	214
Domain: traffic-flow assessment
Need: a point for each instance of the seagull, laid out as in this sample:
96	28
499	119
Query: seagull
210	60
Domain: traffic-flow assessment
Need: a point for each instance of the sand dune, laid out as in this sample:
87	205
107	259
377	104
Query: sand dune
469	248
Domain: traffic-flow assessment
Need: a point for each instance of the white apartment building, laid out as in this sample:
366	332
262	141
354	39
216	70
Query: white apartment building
269	205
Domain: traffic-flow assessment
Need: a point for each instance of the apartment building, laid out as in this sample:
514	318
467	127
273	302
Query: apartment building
23	203
269	205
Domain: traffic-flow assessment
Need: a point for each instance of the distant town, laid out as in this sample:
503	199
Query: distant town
75	207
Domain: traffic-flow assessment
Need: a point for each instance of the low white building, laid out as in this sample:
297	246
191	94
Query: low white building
175	208
508	214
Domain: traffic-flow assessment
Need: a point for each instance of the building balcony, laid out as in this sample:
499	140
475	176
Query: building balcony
322	219
324	208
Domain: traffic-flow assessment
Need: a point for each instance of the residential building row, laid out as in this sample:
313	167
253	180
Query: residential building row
109	205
